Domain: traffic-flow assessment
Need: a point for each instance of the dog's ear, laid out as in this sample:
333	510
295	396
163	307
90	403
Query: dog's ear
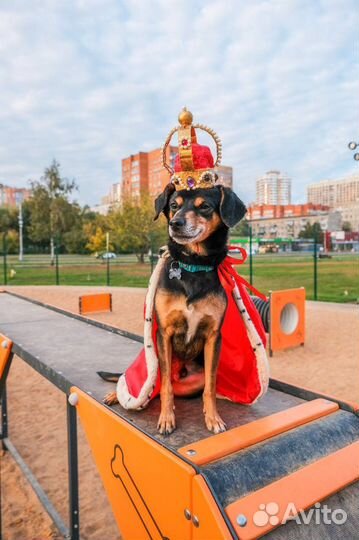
161	202
231	208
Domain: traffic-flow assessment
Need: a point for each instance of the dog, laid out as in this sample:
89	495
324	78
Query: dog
190	305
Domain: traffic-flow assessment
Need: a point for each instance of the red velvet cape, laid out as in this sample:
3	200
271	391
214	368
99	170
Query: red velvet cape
242	374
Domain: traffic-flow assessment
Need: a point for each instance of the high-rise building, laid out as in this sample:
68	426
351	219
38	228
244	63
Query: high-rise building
273	187
144	172
12	196
134	175
158	175
335	193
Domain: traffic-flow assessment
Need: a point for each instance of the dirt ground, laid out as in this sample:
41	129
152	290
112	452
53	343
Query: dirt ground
329	362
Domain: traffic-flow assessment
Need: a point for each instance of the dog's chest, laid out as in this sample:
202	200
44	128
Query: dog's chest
193	316
178	318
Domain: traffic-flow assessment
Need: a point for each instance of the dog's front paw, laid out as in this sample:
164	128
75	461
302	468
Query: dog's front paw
214	423
110	398
166	423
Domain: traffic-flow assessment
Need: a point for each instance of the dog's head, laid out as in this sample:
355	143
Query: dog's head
194	215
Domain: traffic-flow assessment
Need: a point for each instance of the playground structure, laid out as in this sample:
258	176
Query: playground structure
283	317
293	445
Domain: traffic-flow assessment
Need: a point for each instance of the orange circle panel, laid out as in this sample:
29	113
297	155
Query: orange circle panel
287	319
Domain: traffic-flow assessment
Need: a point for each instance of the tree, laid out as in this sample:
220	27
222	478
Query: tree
95	228
134	228
74	239
97	240
241	229
347	226
9	227
8	218
50	208
312	231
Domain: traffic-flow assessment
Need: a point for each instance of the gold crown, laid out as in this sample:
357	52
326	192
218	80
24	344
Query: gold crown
189	177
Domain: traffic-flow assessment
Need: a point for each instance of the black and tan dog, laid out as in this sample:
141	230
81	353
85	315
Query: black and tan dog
190	302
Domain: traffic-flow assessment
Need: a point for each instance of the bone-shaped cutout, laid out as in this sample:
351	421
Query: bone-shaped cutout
120	471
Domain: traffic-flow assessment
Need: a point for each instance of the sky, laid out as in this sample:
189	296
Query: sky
88	82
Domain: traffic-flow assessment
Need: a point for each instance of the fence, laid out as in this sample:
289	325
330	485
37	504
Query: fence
327	279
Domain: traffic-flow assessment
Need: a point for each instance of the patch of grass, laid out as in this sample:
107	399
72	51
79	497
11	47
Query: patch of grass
337	281
338	278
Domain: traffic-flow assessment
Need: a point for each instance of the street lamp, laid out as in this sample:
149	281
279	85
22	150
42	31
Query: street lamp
353	146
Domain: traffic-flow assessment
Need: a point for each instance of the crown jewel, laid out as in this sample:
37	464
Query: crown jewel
194	164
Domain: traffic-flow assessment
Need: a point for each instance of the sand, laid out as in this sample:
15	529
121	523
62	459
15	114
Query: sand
329	362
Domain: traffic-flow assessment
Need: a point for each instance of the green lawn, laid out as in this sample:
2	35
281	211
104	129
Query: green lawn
338	278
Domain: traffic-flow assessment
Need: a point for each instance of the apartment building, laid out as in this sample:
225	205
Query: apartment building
341	195
286	221
12	196
158	176
335	193
144	172
273	187
109	201
134	175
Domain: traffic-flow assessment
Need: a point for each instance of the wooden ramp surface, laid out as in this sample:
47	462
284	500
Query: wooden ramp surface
266	443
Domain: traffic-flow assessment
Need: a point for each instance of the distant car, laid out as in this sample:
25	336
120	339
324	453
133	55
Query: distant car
107	255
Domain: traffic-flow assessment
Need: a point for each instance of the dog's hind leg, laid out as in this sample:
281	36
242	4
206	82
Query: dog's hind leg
166	422
211	357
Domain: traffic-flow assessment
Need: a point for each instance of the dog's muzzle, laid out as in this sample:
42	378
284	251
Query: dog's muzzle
177	223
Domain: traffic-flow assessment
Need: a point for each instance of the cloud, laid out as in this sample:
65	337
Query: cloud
90	82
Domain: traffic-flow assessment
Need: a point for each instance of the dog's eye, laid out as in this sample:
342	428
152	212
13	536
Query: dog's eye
205	206
174	206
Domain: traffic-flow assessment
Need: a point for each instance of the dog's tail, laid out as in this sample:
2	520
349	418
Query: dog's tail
108	376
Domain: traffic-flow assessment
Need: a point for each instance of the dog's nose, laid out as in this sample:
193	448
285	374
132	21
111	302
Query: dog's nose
177	222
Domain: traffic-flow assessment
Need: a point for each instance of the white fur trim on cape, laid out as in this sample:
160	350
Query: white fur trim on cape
123	395
257	344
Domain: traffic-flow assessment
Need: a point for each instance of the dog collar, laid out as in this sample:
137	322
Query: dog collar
195	267
176	268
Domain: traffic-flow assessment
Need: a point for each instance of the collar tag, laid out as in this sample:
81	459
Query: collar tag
175	270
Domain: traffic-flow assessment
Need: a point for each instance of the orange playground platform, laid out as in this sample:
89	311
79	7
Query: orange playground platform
292	449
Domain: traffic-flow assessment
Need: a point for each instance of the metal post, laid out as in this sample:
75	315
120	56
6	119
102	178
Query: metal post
315	268
57	264
250	256
74	524
5	258
108	259
4	433
151	254
21	244
108	271
4	417
4	421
